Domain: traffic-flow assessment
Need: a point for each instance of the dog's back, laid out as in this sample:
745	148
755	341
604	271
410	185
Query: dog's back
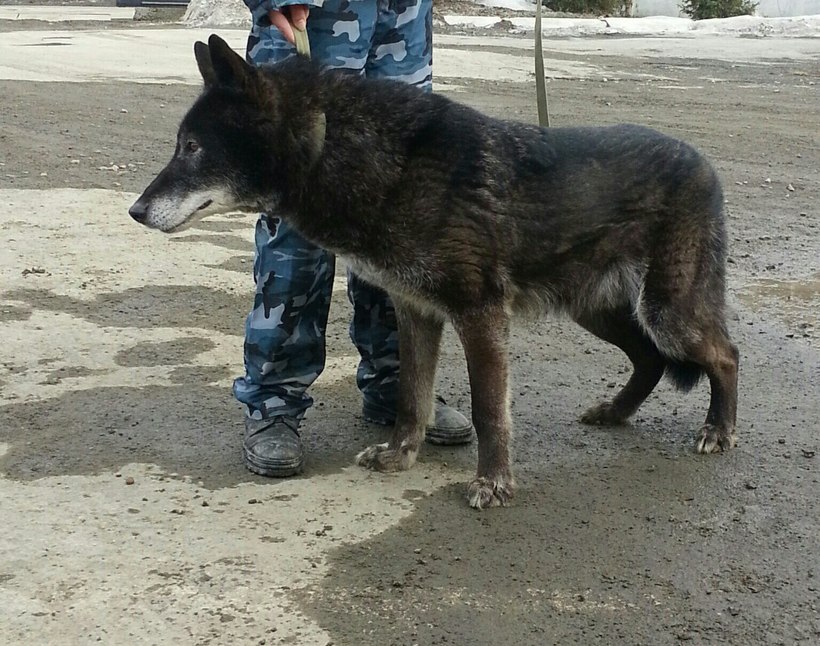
461	208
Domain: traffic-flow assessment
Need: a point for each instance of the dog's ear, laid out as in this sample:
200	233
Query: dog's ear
228	67
203	62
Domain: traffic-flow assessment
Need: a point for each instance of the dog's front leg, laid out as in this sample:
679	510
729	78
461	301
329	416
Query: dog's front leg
484	335
419	341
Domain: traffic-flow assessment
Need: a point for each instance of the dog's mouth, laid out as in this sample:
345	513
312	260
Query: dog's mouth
189	221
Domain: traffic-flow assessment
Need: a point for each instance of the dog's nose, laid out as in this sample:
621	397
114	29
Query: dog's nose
138	211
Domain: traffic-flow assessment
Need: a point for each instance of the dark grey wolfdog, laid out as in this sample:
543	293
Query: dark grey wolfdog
470	219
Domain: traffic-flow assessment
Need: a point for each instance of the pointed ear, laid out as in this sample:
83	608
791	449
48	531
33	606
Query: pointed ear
229	68
203	62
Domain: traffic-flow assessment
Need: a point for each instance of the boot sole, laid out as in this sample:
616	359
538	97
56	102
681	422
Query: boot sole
433	435
449	438
278	470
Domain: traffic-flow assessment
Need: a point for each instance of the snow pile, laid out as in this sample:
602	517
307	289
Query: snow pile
643	8
797	27
217	13
513	5
234	13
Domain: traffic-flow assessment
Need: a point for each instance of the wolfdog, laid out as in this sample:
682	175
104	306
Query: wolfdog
466	218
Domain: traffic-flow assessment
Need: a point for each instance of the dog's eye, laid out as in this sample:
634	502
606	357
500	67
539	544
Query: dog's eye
191	146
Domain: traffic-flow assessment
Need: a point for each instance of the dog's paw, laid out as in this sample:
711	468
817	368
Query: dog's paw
712	439
605	414
486	492
380	457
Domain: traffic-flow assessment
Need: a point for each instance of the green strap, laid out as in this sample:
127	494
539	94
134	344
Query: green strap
303	49
540	83
302	42
319	127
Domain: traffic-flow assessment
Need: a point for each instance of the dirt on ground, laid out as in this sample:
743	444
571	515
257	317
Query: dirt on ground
616	535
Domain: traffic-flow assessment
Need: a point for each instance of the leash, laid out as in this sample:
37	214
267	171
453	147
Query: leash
302	42
540	83
319	129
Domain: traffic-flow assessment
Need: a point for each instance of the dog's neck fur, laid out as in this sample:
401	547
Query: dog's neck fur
328	153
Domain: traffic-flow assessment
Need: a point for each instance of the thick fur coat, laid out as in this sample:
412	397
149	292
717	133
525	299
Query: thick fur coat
469	219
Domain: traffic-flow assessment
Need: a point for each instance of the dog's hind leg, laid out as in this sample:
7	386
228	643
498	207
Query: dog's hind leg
719	358
690	329
419	341
484	335
619	328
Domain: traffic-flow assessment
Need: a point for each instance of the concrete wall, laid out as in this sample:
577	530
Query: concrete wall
765	8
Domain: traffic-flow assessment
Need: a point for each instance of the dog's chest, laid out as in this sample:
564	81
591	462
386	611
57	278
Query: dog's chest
415	283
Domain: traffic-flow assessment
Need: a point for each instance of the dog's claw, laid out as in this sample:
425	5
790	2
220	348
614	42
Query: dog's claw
713	439
486	492
380	457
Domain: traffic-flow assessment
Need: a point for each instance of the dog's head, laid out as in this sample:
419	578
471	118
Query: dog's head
233	147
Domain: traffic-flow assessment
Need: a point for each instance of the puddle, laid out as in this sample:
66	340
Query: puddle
796	302
802	291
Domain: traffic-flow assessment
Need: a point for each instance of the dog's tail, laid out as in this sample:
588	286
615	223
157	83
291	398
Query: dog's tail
685	375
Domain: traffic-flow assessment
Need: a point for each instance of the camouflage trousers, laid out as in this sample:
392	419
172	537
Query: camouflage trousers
285	331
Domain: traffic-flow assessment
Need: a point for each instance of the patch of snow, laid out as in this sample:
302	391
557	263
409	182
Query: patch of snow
514	5
217	13
796	27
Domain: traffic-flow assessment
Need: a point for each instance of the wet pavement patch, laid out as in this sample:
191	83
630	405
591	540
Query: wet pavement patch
243	223
795	302
234	243
14	313
150	306
240	264
199	374
165	353
70	372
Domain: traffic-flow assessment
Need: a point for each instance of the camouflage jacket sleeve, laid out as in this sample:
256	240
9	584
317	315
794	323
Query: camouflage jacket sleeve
259	8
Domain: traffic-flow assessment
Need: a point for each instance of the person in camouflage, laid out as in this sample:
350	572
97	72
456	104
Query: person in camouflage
285	331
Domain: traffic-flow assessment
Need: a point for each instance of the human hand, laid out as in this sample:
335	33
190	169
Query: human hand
286	18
